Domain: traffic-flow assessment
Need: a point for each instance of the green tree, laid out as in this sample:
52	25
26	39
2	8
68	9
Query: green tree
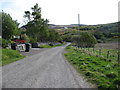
9	26
54	36
66	38
85	39
100	36
37	27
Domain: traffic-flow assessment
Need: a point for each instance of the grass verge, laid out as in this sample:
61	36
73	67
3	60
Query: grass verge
103	73
48	46
9	56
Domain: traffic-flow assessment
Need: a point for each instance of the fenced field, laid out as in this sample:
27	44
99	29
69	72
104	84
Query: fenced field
99	65
109	45
109	51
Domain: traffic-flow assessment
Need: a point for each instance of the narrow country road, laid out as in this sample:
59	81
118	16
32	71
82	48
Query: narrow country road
47	69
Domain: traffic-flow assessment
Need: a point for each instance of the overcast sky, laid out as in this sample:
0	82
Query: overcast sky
64	12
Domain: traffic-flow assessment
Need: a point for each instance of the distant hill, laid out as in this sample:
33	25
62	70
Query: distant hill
100	31
110	27
53	26
107	28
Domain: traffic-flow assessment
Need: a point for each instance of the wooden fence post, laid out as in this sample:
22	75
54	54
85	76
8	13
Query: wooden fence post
93	49
88	48
99	51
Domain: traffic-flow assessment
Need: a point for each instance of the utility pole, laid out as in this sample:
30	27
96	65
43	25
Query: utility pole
78	21
79	30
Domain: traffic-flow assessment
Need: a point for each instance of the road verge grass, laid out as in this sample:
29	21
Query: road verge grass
9	56
103	73
49	46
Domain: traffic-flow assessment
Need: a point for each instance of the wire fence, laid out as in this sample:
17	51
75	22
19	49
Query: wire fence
109	54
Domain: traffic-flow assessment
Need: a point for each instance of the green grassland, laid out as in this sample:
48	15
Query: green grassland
98	70
9	56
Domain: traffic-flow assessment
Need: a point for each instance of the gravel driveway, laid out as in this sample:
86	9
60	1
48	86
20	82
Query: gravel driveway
34	51
47	69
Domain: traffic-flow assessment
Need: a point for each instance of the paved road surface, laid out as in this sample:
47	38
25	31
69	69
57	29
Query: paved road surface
47	69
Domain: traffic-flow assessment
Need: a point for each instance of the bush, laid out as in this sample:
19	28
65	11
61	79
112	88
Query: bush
111	75
66	38
98	34
99	41
85	39
5	43
32	40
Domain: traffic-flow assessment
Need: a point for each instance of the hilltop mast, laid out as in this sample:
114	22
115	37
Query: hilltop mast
78	21
79	29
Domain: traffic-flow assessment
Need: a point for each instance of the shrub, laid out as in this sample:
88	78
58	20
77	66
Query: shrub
5	43
111	75
99	41
32	40
98	34
66	38
85	39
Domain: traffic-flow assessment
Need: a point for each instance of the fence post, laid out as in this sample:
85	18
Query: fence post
108	54
99	51
88	48
93	49
81	47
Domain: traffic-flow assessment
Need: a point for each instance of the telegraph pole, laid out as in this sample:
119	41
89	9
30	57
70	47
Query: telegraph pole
78	30
78	21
